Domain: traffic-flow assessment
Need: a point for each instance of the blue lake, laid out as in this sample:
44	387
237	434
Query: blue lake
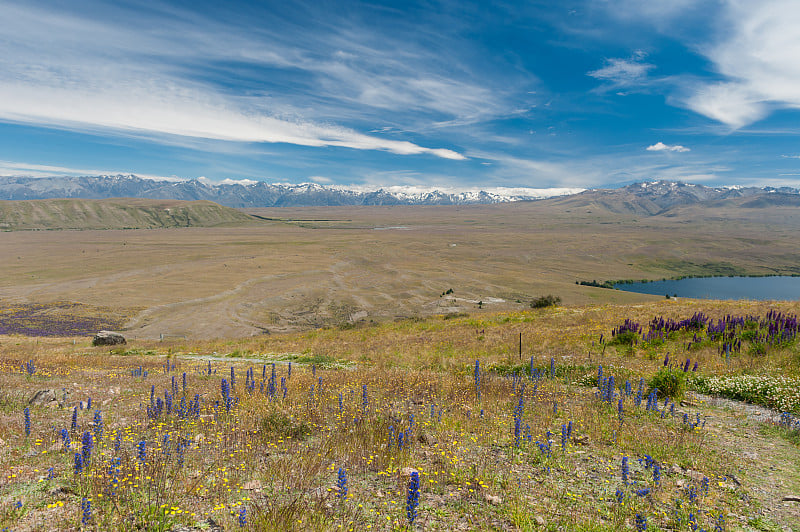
779	288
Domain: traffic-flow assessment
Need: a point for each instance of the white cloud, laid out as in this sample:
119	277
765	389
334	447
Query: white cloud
73	72
752	46
733	104
660	146
624	72
245	182
757	56
24	169
791	156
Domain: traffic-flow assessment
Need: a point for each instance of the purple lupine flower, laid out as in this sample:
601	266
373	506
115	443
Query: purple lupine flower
412	499
87	444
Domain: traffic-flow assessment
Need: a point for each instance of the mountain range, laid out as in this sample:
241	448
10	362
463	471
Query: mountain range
646	198
247	193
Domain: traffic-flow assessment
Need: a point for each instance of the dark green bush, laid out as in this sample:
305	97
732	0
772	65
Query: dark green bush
545	301
670	382
626	338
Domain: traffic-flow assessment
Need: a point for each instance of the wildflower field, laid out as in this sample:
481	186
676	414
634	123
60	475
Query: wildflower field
575	418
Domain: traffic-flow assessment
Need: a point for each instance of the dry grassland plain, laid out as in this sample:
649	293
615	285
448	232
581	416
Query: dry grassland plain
304	268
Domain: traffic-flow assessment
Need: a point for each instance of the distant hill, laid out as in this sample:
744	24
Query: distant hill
246	194
115	214
663	197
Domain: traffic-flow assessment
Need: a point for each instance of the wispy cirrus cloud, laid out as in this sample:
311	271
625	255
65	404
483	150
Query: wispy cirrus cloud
84	72
26	169
625	72
660	146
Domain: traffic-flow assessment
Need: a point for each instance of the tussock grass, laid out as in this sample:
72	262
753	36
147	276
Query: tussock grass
277	456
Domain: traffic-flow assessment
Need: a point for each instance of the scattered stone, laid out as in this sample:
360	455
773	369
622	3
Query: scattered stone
252	485
791	498
199	438
687	403
114	390
379	494
321	492
406	471
108	338
207	525
494	500
539	520
427	439
695	475
580	440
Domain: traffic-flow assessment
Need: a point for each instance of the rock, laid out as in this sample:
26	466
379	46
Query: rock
494	500
406	471
252	485
114	390
687	403
791	498
321	492
695	475
426	438
207	525
580	440
43	397
539	520
108	338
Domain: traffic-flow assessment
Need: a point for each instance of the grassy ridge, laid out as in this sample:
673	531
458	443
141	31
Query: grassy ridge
331	444
125	213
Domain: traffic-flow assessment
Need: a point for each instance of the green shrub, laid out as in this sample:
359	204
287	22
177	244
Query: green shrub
545	301
626	338
670	382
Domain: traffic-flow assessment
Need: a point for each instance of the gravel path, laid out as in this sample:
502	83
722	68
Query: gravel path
769	464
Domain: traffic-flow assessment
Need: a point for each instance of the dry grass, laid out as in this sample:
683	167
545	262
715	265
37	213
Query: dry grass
312	268
278	457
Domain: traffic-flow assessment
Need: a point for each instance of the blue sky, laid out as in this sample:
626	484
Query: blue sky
453	93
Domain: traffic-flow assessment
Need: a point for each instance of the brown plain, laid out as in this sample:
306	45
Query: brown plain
302	268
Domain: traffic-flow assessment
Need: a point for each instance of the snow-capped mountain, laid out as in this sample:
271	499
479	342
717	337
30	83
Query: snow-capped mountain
645	198
248	193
